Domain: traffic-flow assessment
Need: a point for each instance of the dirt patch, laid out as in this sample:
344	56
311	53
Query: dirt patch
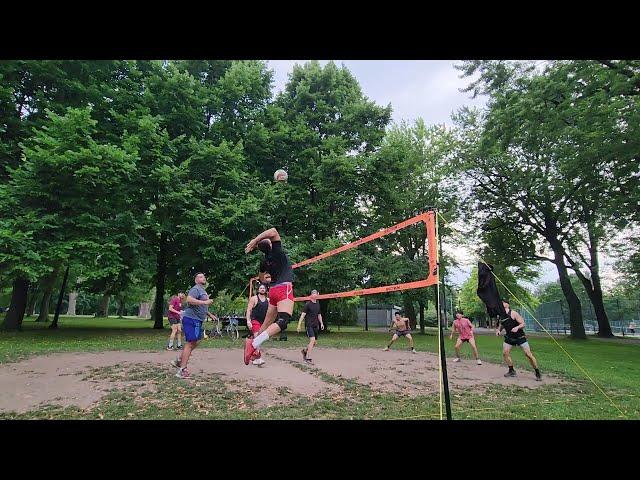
82	379
399	371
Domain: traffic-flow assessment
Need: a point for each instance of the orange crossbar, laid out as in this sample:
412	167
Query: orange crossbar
432	277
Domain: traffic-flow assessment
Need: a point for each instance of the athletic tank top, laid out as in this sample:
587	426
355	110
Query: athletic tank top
508	324
259	311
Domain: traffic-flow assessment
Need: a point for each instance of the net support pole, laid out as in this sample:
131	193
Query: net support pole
443	356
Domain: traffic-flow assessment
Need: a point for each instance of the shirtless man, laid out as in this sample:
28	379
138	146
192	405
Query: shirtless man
513	326
402	330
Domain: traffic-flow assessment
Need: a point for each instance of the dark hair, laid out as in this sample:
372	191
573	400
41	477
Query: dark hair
399	312
199	273
264	245
460	312
506	301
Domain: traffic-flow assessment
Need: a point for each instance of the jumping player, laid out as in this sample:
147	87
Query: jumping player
464	327
256	311
313	324
402	330
276	270
513	326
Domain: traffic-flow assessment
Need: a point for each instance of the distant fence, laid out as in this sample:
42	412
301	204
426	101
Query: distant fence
555	316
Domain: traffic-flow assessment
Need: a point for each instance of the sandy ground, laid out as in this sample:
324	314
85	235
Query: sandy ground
66	379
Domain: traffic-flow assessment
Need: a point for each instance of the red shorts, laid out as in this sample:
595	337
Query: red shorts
284	291
255	326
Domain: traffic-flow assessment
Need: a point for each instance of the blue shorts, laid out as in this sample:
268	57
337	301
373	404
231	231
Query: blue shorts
192	328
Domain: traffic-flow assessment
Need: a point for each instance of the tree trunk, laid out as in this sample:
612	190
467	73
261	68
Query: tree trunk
410	313
32	299
104	305
593	286
144	310
421	316
56	317
324	309
161	273
15	315
121	306
50	282
73	296
575	309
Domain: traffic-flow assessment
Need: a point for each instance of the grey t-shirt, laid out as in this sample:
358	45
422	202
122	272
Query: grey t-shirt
197	312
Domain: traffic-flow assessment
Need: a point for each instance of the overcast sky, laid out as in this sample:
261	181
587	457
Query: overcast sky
429	89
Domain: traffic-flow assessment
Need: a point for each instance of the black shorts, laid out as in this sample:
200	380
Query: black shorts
515	341
313	331
402	333
174	321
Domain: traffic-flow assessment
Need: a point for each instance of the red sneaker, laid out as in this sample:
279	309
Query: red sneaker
257	354
248	351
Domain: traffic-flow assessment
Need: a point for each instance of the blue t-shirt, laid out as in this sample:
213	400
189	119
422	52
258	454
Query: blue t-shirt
198	312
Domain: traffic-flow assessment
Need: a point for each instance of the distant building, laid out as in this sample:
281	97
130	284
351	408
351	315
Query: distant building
377	315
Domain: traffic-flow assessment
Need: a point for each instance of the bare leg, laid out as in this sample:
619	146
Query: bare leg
506	354
186	353
457	347
312	342
173	334
472	342
532	359
410	338
393	339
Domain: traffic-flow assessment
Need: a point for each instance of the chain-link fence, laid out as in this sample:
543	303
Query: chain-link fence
624	317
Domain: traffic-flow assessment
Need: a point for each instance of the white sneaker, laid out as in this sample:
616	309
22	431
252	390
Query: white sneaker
479	362
385	349
258	361
413	350
456	359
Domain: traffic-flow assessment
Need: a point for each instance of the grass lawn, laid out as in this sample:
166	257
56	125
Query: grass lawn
612	364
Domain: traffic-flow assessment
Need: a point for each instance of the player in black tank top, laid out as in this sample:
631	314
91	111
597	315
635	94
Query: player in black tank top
513	326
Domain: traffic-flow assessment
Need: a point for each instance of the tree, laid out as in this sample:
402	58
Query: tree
57	202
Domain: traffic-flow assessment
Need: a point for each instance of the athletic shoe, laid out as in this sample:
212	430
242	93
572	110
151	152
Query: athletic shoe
248	351
179	347
169	348
385	349
257	354
413	350
456	359
538	377
175	363
510	373
183	373
304	354
479	362
258	361
308	360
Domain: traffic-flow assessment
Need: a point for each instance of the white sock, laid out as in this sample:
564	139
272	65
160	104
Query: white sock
260	339
179	343
170	343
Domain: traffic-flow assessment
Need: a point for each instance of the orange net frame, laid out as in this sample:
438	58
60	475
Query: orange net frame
429	218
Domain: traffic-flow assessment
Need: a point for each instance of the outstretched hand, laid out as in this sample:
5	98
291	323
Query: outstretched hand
250	246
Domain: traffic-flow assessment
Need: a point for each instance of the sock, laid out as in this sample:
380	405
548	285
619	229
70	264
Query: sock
537	372
260	339
170	343
179	342
511	369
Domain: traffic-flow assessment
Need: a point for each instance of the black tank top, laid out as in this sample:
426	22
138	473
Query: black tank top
508	324
259	311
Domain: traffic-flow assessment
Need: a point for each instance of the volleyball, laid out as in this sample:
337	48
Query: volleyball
280	176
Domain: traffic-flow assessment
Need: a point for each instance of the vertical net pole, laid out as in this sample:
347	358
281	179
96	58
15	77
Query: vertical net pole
443	357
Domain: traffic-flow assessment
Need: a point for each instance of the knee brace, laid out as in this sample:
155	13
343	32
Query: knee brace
283	320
